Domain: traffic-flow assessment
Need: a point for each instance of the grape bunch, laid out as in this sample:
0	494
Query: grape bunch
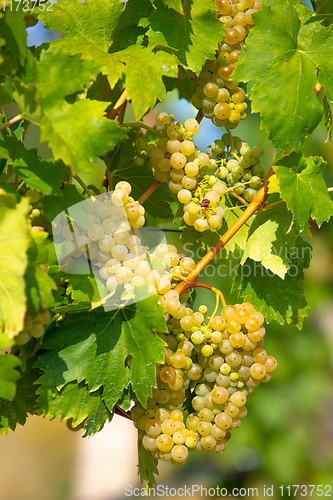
218	96
34	327
218	364
115	249
237	165
175	158
102	231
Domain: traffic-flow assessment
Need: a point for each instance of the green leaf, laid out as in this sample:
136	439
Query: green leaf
45	176
39	283
14	242
61	74
141	178
8	375
328	118
144	71
72	401
108	64
95	349
147	466
78	146
324	10
54	205
12	28
194	35
176	5
15	412
303	188
79	21
277	299
92	21
269	239
294	53
85	288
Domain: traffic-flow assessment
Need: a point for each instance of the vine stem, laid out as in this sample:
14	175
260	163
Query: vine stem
116	108
217	292
11	121
82	184
141	125
199	116
149	191
257	201
183	87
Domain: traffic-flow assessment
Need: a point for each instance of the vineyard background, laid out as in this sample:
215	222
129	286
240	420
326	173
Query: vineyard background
291	419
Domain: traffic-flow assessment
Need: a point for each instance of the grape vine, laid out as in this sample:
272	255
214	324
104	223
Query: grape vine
98	313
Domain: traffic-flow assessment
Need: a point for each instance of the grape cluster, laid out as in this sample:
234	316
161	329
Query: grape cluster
219	363
103	231
175	158
218	96
33	327
237	165
201	179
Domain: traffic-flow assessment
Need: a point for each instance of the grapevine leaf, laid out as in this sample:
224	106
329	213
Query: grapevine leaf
300	256
328	118
295	52
79	146
12	28
45	176
72	401
146	85
141	178
176	5
85	288
129	32
277	299
269	238
301	179
55	205
78	22
324	10
194	35
61	74
14	242
93	21
99	344
15	412
39	283
106	63
147	466
8	375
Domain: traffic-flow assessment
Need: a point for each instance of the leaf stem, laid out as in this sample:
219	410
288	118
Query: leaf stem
141	125
271	205
83	185
199	116
11	121
257	201
232	144
183	87
149	191
116	108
